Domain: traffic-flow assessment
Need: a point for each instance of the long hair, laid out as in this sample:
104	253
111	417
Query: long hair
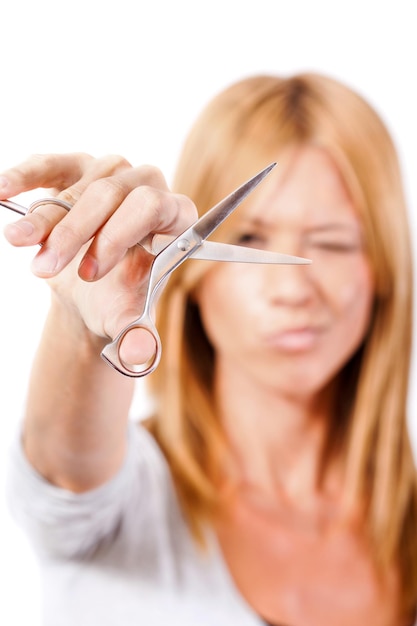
244	128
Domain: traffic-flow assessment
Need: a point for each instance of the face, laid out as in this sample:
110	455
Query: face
292	327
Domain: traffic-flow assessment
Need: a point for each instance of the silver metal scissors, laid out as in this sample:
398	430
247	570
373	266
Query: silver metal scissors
169	252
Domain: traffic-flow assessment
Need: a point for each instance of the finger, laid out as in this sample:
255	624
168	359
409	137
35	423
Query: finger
31	229
95	169
137	347
36	227
44	170
145	210
99	202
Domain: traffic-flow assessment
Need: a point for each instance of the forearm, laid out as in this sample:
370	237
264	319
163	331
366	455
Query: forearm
77	406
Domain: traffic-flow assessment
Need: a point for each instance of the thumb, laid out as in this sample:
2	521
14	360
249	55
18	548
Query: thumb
138	348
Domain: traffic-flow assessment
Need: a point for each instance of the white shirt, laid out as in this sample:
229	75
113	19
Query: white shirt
122	554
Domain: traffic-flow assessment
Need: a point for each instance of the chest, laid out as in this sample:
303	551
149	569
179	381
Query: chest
294	574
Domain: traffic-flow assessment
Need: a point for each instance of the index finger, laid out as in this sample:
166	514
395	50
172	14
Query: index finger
71	174
44	170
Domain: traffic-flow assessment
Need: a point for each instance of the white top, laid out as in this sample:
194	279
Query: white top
121	554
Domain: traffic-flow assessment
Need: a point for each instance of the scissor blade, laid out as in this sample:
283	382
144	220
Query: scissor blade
13	206
214	251
217	214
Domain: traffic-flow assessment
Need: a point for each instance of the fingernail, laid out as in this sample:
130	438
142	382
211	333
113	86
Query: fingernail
88	268
45	262
19	228
4	182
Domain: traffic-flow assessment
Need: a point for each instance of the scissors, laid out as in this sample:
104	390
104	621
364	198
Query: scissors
171	251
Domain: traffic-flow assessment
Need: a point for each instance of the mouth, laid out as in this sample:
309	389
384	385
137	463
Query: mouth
294	340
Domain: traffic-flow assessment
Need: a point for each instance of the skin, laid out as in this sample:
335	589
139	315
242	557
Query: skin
114	206
282	534
280	335
305	321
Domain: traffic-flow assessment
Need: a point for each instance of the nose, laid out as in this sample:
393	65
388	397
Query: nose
288	285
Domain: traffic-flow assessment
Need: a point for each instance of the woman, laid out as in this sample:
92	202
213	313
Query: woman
275	480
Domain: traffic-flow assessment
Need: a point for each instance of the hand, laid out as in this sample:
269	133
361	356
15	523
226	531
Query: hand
89	254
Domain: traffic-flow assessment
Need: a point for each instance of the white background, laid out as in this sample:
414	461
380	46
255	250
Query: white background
130	77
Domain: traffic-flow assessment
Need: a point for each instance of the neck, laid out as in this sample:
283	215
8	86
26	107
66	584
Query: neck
276	441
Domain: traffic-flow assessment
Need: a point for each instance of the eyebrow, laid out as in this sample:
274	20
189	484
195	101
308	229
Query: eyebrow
260	222
342	226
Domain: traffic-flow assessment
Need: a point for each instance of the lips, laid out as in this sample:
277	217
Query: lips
294	339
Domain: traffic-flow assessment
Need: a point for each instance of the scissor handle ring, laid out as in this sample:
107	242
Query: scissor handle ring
111	352
35	205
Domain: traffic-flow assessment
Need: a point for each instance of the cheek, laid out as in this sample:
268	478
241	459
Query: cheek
353	300
225	296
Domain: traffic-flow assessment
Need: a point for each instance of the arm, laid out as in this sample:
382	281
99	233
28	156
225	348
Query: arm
77	406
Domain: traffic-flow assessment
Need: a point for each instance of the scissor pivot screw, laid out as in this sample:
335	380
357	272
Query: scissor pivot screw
184	245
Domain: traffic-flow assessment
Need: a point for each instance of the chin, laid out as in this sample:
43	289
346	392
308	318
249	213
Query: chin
298	378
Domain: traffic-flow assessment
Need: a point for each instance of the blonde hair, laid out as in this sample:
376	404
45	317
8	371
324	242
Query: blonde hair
238	133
